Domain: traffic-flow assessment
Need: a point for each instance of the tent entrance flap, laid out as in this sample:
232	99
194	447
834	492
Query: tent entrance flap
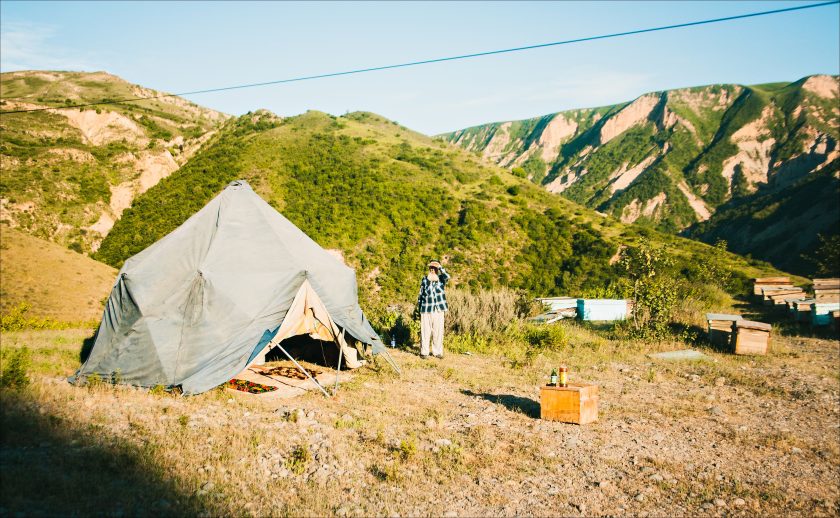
307	315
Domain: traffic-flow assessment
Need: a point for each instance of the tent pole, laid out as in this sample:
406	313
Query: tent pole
391	362
289	356
340	351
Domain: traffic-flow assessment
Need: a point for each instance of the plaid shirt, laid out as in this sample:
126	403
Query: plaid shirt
432	294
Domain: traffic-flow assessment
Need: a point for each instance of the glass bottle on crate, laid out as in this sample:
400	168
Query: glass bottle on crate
553	382
564	376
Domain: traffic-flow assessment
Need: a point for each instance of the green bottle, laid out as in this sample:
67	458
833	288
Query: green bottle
553	378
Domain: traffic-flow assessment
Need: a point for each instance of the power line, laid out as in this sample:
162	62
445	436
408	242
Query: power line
439	60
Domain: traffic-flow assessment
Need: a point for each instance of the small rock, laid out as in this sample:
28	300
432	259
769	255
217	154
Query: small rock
708	505
715	410
571	442
443	443
602	483
640	497
719	382
796	450
208	486
656	477
738	502
720	502
450	514
430	423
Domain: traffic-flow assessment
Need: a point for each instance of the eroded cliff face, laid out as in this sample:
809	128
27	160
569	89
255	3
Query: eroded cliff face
69	173
675	156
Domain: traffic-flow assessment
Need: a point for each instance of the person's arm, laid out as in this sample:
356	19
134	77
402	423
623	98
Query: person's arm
443	276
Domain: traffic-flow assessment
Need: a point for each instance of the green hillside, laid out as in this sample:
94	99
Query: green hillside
390	199
671	159
69	173
781	225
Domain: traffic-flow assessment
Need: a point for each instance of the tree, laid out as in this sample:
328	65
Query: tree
654	292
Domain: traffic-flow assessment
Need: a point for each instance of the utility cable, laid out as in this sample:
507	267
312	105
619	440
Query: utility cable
440	60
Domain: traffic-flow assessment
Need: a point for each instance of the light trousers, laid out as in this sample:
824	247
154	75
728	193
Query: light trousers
431	329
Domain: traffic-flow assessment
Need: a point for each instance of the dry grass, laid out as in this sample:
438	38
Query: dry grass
463	429
72	289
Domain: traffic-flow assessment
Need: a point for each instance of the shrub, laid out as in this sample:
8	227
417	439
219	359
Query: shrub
483	312
14	369
298	459
17	320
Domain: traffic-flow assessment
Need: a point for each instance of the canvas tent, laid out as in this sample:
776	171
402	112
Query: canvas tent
210	298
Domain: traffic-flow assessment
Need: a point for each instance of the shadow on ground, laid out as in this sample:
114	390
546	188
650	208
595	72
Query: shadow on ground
50	467
524	405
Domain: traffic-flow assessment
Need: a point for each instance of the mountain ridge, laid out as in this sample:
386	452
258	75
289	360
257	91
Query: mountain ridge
670	158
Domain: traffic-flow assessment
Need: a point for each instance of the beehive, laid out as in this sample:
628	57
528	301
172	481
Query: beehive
770	282
751	337
602	309
720	327
802	309
576	403
821	312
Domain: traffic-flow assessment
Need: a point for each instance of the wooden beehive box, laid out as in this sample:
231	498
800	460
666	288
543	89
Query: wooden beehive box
770	282
577	403
802	309
720	327
779	299
751	337
821	311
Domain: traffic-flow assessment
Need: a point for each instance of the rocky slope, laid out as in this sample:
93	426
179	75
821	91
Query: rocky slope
672	158
69	173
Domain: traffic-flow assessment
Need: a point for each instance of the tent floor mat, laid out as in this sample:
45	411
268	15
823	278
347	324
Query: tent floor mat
287	386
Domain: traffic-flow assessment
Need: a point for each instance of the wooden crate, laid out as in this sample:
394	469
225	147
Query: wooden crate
577	403
751	337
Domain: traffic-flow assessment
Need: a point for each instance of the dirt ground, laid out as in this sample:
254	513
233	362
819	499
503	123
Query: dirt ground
459	436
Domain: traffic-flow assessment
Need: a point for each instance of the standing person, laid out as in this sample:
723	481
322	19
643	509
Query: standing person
432	305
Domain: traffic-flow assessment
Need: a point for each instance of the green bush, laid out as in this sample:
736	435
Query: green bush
14	367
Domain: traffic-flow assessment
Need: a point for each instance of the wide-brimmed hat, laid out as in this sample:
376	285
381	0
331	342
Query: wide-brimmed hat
436	264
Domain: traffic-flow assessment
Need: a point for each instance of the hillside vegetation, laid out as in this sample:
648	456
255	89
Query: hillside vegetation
69	173
390	199
671	159
53	281
779	224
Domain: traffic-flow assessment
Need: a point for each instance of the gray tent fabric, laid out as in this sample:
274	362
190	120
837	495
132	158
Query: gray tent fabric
190	309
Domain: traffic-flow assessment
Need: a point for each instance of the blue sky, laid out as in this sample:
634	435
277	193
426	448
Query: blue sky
178	47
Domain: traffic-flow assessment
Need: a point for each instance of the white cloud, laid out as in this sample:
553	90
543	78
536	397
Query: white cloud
29	46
